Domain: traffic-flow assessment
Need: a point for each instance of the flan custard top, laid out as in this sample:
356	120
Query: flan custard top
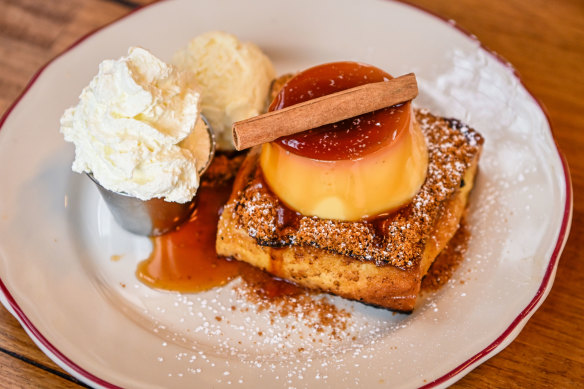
352	169
397	238
350	138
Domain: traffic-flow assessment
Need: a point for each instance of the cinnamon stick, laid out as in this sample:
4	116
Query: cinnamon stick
323	110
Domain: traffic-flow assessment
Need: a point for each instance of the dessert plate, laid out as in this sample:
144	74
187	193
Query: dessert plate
67	270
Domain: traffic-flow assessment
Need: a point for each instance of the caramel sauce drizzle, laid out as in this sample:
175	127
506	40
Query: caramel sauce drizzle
185	260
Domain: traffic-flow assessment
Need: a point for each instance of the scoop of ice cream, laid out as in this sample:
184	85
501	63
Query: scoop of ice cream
133	128
235	79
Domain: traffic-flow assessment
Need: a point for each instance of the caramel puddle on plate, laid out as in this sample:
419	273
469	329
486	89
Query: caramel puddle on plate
185	260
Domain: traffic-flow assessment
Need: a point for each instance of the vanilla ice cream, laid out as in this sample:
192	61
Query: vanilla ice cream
133	128
235	79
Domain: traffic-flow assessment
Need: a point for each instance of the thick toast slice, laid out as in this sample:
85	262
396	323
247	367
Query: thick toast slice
379	261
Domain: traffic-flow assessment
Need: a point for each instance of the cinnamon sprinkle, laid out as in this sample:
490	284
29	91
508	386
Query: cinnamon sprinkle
304	304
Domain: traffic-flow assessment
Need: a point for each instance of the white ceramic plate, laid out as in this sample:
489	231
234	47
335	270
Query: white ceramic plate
91	316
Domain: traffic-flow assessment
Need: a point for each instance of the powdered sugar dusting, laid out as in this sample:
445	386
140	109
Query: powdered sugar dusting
301	337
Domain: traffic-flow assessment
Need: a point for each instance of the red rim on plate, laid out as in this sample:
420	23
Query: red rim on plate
464	367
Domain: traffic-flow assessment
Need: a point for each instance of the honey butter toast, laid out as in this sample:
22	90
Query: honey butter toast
379	261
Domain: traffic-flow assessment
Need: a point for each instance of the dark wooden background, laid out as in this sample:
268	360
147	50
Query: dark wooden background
544	40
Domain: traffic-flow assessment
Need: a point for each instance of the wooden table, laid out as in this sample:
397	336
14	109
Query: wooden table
544	40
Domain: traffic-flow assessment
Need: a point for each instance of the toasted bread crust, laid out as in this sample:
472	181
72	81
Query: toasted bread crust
381	266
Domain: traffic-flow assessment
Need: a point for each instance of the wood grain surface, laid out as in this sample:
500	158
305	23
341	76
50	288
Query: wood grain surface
544	40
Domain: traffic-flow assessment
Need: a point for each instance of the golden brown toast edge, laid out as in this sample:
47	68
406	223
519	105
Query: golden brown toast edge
385	286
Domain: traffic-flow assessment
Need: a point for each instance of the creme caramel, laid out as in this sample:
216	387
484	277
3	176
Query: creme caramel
348	170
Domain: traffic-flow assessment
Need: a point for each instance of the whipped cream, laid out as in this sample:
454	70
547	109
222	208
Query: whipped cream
235	79
133	128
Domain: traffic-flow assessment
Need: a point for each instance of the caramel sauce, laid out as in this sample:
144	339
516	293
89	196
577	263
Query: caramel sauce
185	260
348	139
